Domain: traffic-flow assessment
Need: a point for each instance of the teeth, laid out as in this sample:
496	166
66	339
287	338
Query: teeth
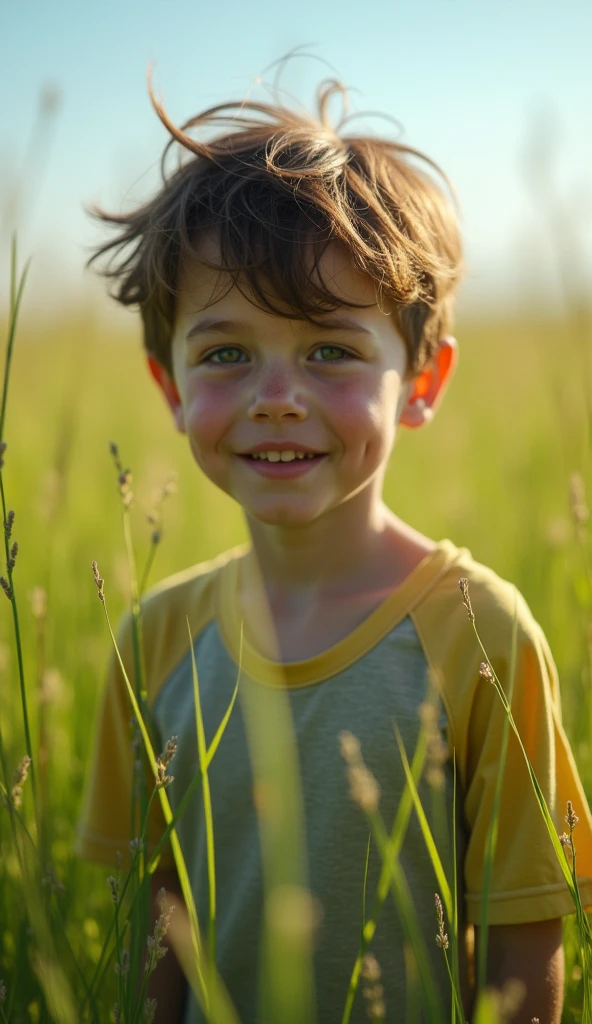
286	456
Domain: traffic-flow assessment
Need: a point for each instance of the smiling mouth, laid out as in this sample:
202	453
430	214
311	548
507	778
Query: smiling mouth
289	455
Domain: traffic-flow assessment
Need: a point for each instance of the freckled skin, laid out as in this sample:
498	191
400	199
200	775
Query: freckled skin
347	409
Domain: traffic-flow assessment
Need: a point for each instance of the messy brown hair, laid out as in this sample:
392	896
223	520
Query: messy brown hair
275	187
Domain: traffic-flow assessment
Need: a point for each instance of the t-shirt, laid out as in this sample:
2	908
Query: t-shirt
379	676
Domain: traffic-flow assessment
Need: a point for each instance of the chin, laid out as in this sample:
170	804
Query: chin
284	514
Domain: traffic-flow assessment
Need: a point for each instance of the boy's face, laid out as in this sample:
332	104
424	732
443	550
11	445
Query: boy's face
250	384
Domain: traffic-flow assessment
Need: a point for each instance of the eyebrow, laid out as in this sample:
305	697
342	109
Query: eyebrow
214	325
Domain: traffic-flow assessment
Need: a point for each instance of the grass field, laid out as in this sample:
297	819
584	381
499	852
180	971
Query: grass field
492	473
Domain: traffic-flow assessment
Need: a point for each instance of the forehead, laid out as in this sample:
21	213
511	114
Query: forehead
201	286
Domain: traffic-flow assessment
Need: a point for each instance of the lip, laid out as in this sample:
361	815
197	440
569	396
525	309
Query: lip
281	446
283	470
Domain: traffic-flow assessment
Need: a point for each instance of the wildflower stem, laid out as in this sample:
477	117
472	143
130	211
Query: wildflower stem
147	568
16	293
458	1007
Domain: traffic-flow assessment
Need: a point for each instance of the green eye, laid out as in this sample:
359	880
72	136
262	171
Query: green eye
330	354
229	354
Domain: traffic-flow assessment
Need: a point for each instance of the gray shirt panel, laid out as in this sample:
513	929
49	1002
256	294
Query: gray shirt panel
386	685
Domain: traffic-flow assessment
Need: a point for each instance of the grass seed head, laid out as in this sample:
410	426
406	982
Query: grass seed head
150	1011
113	884
441	937
20	777
99	582
350	747
156	950
372	990
162	763
485	672
2	450
13	553
363	787
9	524
117	1014
6	587
571	816
466	600
123	966
370	968
2	992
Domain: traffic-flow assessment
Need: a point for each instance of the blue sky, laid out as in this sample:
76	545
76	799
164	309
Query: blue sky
475	85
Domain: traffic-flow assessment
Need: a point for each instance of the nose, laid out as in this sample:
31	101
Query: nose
277	394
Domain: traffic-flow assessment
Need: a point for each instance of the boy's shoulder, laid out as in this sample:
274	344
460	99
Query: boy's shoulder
508	636
184	591
496	603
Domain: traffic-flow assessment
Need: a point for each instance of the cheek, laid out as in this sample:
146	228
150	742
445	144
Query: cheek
364	412
208	415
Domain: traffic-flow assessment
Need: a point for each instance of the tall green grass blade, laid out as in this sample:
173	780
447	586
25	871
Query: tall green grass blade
405	909
396	838
435	859
207	800
491	843
17	287
196	781
456	940
365	883
425	829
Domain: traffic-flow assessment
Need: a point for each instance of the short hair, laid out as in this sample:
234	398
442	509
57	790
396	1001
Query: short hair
275	187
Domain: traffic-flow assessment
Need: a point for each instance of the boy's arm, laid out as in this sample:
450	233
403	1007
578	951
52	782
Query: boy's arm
167	983
532	953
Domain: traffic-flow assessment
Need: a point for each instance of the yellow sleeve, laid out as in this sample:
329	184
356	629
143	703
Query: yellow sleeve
106	825
527	883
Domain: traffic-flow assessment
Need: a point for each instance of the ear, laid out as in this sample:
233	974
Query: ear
169	390
427	389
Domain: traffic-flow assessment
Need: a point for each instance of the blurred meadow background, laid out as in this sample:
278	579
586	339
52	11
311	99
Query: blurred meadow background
500	98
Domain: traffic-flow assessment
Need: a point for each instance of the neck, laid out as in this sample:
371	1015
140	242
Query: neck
360	545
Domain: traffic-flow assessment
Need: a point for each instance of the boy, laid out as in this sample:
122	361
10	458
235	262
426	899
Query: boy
296	291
